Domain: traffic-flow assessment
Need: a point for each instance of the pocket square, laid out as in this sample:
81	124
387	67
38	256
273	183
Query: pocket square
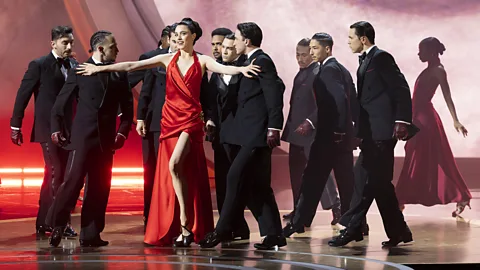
370	70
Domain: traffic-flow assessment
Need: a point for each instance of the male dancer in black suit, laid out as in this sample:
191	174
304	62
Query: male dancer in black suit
149	114
225	90
44	79
254	133
92	140
218	35
332	147
300	130
384	117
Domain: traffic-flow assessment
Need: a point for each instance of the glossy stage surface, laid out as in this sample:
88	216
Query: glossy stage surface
439	239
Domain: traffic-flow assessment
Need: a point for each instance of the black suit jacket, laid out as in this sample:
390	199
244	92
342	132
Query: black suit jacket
99	97
137	76
152	95
383	94
334	88
260	105
224	100
302	106
44	80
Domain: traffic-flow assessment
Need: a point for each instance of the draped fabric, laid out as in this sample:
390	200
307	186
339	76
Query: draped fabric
182	112
430	174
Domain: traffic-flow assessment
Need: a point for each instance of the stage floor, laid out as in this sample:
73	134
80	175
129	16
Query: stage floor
439	239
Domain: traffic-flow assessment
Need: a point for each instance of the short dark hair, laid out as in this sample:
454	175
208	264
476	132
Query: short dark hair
61	31
165	31
230	36
172	29
324	39
363	28
193	27
304	42
433	45
222	31
98	38
252	31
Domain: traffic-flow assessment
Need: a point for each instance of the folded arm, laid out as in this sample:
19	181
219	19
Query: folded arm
66	96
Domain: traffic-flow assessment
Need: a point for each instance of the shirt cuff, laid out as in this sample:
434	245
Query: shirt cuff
399	121
140	120
309	121
122	135
15	128
274	129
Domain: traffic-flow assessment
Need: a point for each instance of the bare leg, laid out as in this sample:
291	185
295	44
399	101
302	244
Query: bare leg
176	165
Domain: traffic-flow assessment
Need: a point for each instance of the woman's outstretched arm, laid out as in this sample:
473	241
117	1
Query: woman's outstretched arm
216	67
159	60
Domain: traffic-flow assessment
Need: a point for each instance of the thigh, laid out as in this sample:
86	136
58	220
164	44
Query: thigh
99	175
181	150
378	160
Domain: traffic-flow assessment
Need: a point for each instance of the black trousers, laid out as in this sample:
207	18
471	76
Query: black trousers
248	184
376	162
97	164
150	144
55	159
223	160
297	160
325	156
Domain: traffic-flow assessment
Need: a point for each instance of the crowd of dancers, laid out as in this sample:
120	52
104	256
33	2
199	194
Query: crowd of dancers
239	109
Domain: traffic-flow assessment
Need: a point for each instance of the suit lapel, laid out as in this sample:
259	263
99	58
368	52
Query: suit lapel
363	67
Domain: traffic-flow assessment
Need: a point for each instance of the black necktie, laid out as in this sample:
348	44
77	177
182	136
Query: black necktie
362	57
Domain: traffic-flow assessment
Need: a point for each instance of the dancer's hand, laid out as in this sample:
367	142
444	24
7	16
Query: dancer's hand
400	131
16	136
87	69
273	138
460	128
141	128
58	139
254	69
304	128
119	141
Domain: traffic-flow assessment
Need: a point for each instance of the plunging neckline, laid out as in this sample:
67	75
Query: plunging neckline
183	76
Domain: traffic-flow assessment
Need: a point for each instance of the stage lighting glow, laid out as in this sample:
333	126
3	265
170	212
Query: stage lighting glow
41	170
37	182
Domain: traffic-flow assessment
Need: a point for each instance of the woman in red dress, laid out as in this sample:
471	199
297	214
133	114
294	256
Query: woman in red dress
181	202
430	175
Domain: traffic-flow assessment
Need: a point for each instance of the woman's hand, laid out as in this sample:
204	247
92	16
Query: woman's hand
254	69
87	69
460	128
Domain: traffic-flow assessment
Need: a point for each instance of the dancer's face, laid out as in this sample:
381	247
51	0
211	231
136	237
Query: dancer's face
240	42
318	52
63	46
424	53
217	46
229	53
184	37
355	42
173	42
109	49
303	56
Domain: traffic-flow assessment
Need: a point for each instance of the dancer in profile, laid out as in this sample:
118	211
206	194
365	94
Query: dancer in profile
430	175
181	199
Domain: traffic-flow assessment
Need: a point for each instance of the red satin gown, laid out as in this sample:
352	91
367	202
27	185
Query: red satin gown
182	112
430	175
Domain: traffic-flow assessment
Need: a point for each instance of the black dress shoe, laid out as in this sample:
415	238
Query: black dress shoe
406	237
270	242
291	229
56	236
97	242
185	240
212	239
41	231
240	236
69	232
289	215
345	237
365	229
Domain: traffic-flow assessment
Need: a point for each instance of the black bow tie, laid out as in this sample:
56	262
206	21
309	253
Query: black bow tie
362	57
104	63
64	62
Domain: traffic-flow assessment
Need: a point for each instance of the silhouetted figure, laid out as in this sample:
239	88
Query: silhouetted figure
430	175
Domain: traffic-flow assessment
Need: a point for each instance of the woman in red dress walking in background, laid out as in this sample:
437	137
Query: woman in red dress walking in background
430	175
181	209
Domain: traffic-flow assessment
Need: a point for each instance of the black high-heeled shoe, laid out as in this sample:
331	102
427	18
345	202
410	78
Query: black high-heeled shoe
185	240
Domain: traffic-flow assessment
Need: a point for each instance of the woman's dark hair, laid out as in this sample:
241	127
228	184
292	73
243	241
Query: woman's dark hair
433	45
193	26
363	28
61	31
252	31
97	39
